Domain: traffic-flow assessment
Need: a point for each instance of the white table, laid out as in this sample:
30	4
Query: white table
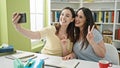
8	63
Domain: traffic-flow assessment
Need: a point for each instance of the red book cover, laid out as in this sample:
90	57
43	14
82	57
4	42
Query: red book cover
112	16
118	34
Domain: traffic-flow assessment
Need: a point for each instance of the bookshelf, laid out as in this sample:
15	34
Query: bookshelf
106	15
58	5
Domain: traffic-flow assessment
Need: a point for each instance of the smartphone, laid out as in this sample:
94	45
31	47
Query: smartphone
23	18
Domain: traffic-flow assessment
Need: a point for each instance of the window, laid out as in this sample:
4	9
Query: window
36	15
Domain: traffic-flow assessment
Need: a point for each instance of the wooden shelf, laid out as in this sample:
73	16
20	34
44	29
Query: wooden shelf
99	2
66	2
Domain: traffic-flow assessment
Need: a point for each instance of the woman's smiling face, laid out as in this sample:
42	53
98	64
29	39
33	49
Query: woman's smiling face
66	17
80	19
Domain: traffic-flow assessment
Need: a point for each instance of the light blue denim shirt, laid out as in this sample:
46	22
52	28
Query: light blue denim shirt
88	53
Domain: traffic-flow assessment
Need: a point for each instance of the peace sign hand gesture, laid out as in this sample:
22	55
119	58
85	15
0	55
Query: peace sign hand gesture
64	41
90	36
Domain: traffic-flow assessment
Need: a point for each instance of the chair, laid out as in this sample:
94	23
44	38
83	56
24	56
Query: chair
111	54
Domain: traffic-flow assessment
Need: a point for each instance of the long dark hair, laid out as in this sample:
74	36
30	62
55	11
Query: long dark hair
70	28
89	21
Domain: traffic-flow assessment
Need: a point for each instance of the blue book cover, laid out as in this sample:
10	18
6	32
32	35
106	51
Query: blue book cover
6	49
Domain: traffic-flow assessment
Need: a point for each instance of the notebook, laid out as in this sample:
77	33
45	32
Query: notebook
20	55
59	63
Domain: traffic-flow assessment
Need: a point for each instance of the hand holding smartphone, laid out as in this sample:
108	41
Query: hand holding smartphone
22	18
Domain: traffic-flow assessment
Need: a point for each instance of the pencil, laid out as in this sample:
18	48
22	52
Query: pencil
76	64
52	66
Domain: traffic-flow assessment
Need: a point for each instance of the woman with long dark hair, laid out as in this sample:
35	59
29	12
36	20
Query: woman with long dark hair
89	44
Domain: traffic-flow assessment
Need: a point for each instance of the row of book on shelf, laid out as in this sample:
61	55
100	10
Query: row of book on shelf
55	16
65	0
83	0
75	0
99	16
104	16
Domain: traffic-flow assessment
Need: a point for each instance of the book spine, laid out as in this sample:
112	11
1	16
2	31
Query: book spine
103	16
106	16
109	16
119	17
116	33
100	17
112	16
95	16
53	16
119	34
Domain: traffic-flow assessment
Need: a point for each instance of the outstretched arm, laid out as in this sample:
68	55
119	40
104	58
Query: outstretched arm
29	34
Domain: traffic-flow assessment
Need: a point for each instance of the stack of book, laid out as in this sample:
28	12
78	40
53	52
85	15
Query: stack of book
107	39
88	1
6	50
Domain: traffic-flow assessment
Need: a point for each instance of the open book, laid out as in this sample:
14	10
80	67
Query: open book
59	63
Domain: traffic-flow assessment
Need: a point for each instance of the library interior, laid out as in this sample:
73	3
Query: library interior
39	14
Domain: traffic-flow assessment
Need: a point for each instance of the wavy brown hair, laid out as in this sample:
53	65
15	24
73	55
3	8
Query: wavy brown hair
70	28
89	21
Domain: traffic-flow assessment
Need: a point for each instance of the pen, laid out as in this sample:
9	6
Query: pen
52	66
25	60
76	64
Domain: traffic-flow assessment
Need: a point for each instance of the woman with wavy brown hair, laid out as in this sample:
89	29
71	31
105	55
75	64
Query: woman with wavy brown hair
89	44
59	38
